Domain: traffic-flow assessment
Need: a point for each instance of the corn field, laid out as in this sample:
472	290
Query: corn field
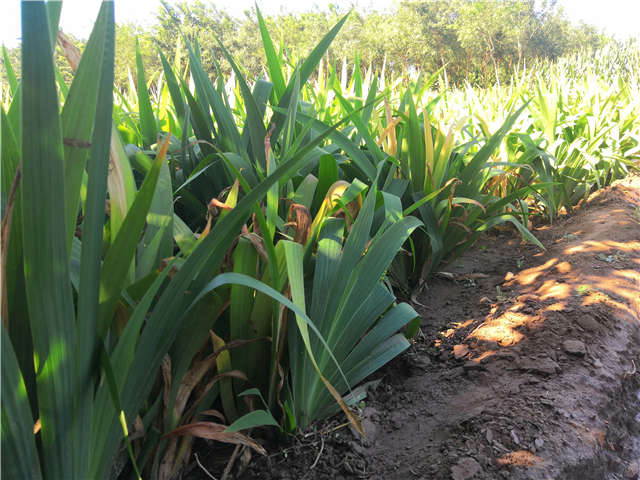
204	257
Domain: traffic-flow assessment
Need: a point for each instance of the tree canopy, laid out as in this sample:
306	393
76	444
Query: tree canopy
480	41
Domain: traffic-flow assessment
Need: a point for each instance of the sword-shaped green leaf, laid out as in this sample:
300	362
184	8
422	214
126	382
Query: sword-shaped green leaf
19	454
48	287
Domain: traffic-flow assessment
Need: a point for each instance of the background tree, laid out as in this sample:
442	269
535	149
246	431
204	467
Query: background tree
479	41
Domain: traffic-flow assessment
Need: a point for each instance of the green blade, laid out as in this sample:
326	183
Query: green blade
304	323
379	300
352	253
497	220
305	71
256	418
327	176
183	235
53	13
157	241
45	248
174	89
363	130
147	120
368	272
245	260
78	118
355	155
92	229
164	323
16	302
253	120
417	159
226	123
273	60
388	325
121	184
118	259
470	176
19	454
11	75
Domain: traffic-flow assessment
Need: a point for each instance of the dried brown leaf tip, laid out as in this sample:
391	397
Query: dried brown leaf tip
215	431
300	219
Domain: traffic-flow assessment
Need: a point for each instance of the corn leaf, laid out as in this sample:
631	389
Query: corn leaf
92	229
48	287
19	454
148	124
11	74
273	60
118	258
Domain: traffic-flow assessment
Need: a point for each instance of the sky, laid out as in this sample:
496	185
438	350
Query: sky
617	17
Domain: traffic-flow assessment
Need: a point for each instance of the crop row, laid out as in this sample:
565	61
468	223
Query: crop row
200	257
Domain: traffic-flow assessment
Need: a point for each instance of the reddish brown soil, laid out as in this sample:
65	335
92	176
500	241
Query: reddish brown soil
526	366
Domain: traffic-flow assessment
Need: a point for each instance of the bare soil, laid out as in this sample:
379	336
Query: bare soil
526	367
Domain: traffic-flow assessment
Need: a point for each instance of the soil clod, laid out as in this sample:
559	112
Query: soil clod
574	347
465	469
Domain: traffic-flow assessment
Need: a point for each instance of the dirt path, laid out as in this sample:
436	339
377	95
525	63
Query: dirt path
527	367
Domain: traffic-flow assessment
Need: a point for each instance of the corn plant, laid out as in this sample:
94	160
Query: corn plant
255	254
354	311
90	379
196	373
444	184
588	137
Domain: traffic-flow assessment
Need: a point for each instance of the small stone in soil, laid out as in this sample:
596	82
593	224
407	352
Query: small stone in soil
542	366
574	347
489	435
589	323
546	401
539	442
466	468
632	470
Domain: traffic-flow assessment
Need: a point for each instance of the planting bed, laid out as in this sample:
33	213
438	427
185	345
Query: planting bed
527	366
